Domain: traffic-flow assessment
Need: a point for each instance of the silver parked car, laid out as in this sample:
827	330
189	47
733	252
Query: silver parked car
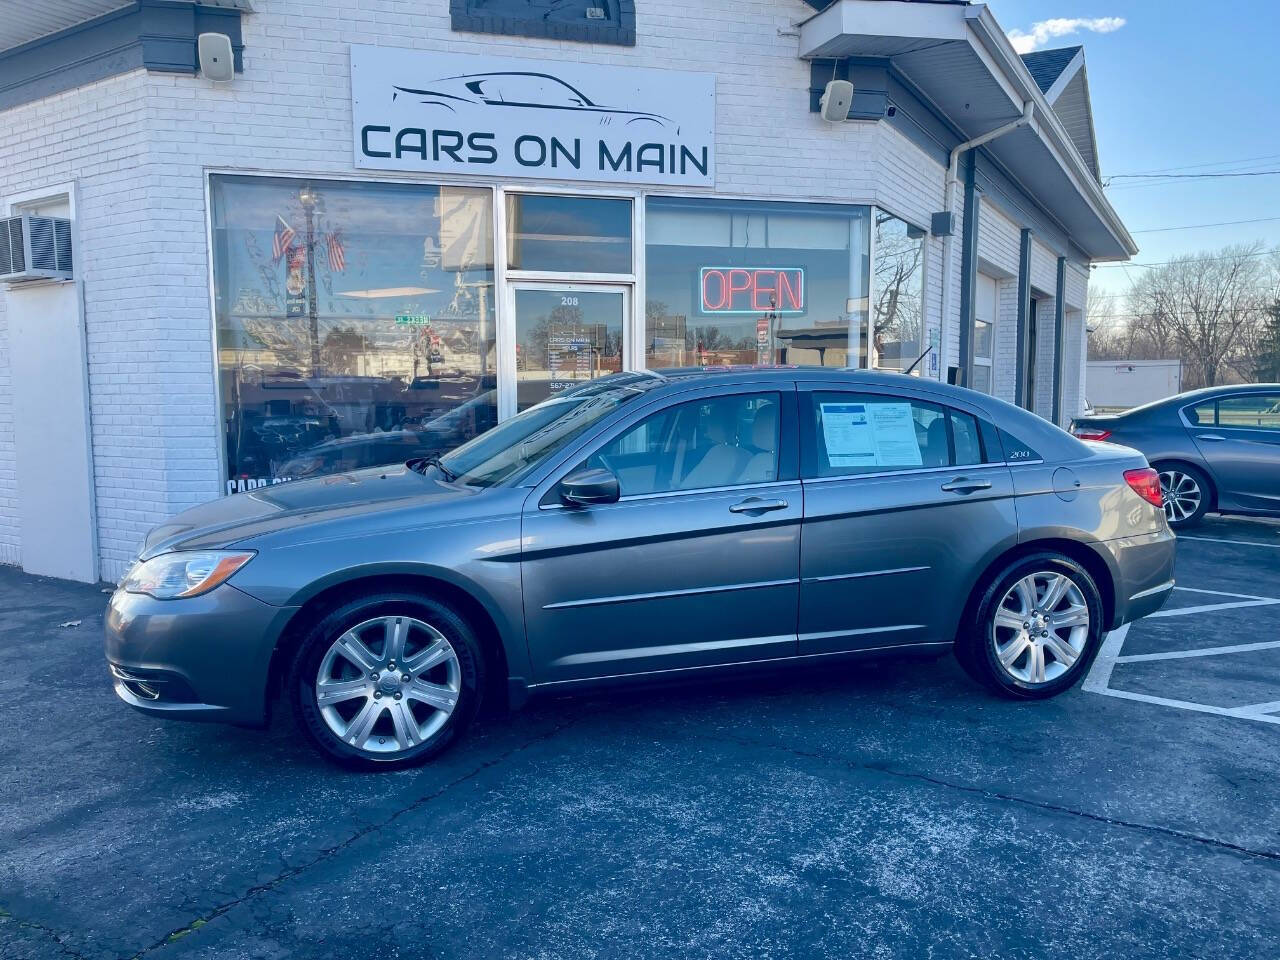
1215	449
646	525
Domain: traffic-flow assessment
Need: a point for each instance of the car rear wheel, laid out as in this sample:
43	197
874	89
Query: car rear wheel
386	681
1186	494
1036	628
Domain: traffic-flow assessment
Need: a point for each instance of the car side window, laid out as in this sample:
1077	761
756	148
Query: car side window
1202	414
964	431
713	442
859	433
1255	411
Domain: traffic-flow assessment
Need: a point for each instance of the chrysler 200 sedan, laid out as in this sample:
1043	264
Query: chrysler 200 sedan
644	526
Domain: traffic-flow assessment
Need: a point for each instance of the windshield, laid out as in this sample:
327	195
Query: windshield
516	446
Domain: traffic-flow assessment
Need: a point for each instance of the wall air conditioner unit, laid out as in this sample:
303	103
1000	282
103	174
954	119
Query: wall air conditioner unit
34	248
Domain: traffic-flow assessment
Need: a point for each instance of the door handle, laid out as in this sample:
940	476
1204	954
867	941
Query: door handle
756	505
1210	436
965	485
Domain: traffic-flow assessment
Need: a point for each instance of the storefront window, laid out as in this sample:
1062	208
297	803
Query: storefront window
568	234
355	323
738	282
565	333
898	314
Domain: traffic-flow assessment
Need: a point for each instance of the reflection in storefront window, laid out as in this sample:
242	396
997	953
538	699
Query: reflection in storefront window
739	282
898	308
568	234
355	323
564	335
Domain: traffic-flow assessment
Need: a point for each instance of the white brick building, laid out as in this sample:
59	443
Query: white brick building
143	385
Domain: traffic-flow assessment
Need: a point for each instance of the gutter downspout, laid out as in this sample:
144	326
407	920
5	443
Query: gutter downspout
948	203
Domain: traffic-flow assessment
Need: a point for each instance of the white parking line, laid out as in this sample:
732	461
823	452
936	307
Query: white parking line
1099	679
1100	673
1204	652
1249	712
1242	600
1223	593
1238	543
1206	607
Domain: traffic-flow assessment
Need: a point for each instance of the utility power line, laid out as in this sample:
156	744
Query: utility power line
1201	226
1190	176
1165	263
1200	166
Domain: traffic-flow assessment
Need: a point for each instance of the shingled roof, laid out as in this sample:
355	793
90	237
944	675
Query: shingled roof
1046	66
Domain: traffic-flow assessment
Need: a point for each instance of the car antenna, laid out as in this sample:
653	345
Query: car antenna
916	363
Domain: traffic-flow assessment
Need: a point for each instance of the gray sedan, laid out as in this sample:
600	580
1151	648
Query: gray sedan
645	526
1215	449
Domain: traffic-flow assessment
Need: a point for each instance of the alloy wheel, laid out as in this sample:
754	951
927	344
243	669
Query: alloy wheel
1182	495
1040	627
388	684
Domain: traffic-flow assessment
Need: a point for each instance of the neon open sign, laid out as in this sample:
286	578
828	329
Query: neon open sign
777	290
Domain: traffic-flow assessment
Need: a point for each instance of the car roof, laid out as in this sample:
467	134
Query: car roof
736	374
677	378
1191	397
1230	388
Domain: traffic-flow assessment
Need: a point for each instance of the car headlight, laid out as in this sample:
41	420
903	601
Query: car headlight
184	573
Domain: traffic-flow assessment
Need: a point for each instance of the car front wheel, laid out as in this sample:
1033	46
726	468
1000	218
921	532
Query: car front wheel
386	681
1036	628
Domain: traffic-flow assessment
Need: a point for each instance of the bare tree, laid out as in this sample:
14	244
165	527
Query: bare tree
898	311
1206	309
1105	330
1116	332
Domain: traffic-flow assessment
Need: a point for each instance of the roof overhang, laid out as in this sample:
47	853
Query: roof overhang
958	58
25	22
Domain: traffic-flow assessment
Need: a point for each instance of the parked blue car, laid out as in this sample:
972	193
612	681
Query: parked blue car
1216	449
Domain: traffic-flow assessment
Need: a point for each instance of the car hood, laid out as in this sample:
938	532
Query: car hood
229	520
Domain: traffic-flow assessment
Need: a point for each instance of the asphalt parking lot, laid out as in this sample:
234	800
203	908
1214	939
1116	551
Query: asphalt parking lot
890	810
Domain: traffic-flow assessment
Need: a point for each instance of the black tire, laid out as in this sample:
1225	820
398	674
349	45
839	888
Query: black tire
1169	470
977	644
311	653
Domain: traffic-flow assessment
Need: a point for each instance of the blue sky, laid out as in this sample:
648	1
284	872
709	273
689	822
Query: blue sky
1179	84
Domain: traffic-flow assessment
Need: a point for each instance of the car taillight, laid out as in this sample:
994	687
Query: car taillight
1091	433
1146	484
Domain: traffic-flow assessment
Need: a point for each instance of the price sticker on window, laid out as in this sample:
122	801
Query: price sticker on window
870	435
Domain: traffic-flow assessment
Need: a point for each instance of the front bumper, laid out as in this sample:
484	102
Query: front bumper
202	658
1144	574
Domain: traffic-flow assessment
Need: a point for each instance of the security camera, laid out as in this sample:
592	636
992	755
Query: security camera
835	101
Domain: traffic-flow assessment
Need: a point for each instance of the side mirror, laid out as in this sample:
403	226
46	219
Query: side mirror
585	487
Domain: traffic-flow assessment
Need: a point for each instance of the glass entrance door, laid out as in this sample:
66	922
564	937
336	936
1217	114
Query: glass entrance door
565	333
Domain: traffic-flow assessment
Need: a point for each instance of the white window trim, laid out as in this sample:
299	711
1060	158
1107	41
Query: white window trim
507	403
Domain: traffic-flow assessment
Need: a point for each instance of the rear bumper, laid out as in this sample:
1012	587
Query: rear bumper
204	658
1147	601
1143	568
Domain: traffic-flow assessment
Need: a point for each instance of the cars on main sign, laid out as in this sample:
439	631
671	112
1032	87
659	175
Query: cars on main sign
1215	449
646	525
